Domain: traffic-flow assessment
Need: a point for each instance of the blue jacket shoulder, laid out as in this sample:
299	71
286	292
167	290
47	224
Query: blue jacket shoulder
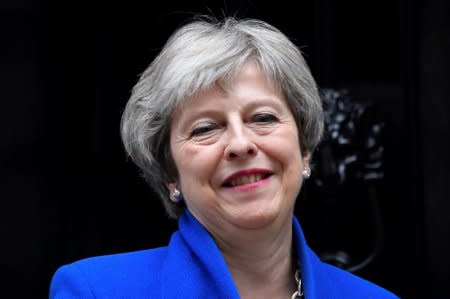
348	285
110	276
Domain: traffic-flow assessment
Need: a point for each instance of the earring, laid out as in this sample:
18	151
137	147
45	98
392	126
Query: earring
306	172
176	195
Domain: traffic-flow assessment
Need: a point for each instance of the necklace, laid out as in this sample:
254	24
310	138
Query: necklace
298	294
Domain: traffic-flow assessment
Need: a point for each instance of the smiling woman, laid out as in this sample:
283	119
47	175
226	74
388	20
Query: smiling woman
222	124
222	141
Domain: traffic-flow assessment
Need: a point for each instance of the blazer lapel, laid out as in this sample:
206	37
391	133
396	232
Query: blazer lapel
194	267
311	268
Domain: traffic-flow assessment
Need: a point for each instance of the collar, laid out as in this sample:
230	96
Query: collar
195	267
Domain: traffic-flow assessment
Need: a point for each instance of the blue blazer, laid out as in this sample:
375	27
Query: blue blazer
191	266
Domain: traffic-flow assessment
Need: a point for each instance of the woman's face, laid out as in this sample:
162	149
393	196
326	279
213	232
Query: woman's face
237	154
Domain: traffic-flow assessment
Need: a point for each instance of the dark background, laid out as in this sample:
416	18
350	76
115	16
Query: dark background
67	68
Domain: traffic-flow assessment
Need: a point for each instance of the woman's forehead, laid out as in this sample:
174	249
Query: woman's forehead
250	72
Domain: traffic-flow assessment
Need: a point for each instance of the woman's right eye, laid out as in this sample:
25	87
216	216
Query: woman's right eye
203	130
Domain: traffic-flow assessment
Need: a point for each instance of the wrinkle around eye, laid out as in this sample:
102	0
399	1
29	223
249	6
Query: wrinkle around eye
265	118
203	128
208	137
263	128
201	131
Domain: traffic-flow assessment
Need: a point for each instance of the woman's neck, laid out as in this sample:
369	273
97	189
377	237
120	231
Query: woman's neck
261	262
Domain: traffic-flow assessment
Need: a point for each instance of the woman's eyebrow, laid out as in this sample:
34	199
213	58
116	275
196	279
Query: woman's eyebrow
265	101
186	120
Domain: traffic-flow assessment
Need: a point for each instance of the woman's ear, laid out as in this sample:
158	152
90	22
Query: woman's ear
172	187
306	171
306	157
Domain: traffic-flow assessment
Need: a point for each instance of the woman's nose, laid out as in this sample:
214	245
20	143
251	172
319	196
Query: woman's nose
239	144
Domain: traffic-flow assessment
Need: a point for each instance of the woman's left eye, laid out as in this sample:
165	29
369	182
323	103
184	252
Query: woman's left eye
264	118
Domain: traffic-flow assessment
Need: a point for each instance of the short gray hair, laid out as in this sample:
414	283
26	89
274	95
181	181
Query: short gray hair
197	55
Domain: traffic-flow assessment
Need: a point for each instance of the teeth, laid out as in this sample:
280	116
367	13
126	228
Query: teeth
246	179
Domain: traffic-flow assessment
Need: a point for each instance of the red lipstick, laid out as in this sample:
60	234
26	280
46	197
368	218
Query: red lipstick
246	172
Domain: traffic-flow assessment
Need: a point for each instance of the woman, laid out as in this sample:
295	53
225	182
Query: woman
223	124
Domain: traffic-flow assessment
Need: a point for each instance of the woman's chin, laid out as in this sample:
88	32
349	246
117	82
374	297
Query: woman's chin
253	219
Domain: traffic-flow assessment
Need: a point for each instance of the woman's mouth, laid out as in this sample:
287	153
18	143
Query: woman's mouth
245	178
